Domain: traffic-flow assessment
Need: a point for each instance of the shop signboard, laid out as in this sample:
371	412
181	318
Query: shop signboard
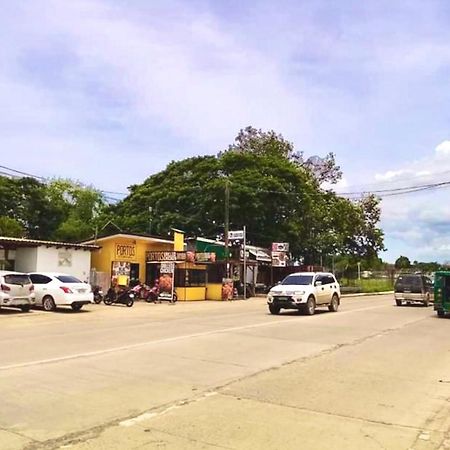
125	252
280	247
158	256
205	257
237	235
279	259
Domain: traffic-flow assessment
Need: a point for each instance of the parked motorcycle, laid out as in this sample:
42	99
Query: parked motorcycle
122	295
144	292
98	294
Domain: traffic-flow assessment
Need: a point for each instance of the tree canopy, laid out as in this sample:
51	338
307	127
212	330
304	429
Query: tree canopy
59	210
274	191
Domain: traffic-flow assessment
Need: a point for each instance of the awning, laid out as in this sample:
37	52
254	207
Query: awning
260	255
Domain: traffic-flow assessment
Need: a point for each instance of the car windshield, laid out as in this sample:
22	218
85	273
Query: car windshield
298	279
17	279
67	279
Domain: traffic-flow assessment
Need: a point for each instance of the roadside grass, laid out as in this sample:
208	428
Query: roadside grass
366	285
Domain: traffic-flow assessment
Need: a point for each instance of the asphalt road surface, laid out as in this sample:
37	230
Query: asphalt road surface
208	375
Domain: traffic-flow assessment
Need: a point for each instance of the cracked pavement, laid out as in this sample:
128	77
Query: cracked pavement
226	375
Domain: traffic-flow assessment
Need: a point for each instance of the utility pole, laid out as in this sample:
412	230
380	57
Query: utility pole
227	223
245	264
150	211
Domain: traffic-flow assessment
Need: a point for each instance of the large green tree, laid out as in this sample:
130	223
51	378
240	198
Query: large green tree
26	200
59	210
274	191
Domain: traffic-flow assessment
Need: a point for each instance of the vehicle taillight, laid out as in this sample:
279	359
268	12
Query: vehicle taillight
66	290
5	288
32	288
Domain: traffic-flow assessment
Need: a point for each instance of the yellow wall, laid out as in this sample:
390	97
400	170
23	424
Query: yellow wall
214	291
178	241
191	293
102	259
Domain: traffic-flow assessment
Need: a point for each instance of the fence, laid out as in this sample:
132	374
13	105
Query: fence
366	281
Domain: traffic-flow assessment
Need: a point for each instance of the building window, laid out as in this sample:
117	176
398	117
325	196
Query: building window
216	273
190	278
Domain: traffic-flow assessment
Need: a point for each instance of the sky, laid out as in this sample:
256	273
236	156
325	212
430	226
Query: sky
109	91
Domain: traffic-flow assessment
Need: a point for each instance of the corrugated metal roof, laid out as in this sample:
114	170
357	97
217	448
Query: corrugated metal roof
22	242
144	237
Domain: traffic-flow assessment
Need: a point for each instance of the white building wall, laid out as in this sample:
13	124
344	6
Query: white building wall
26	259
71	261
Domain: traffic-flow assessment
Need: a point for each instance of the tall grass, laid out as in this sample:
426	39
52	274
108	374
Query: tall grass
367	285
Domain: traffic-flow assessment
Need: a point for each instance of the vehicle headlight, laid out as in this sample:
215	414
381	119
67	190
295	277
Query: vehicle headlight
270	297
299	293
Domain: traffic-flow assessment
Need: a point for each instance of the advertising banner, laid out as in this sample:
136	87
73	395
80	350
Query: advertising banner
227	289
166	281
280	247
279	259
121	272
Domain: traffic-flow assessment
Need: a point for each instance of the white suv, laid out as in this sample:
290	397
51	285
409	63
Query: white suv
305	291
16	290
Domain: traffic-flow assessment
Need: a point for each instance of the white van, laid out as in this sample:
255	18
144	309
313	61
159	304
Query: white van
16	290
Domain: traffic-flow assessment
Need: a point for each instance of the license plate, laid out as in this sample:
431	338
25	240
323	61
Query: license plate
81	291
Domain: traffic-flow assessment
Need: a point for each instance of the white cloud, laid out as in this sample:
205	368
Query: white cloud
389	175
443	149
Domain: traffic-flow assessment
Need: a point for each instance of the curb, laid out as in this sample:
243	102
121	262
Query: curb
366	294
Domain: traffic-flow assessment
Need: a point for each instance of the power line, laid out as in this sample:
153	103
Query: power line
37	177
23	173
379	192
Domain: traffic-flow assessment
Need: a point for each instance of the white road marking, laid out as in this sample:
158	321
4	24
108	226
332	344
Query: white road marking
174	339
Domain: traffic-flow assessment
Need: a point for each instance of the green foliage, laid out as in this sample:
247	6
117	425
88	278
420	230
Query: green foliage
272	191
59	210
10	227
367	285
82	206
402	262
427	267
26	200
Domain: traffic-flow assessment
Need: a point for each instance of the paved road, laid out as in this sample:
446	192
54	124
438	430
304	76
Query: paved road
225	375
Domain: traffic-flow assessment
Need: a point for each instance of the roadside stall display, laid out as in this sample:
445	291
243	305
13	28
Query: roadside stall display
166	282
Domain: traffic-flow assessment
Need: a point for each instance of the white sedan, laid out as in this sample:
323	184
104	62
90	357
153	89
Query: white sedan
59	289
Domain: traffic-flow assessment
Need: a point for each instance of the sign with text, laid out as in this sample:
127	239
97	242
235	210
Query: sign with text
125	252
167	267
280	247
237	235
279	259
165	256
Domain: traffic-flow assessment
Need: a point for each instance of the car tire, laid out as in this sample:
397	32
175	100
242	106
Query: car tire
334	305
76	307
310	306
440	313
48	303
274	309
398	302
25	308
